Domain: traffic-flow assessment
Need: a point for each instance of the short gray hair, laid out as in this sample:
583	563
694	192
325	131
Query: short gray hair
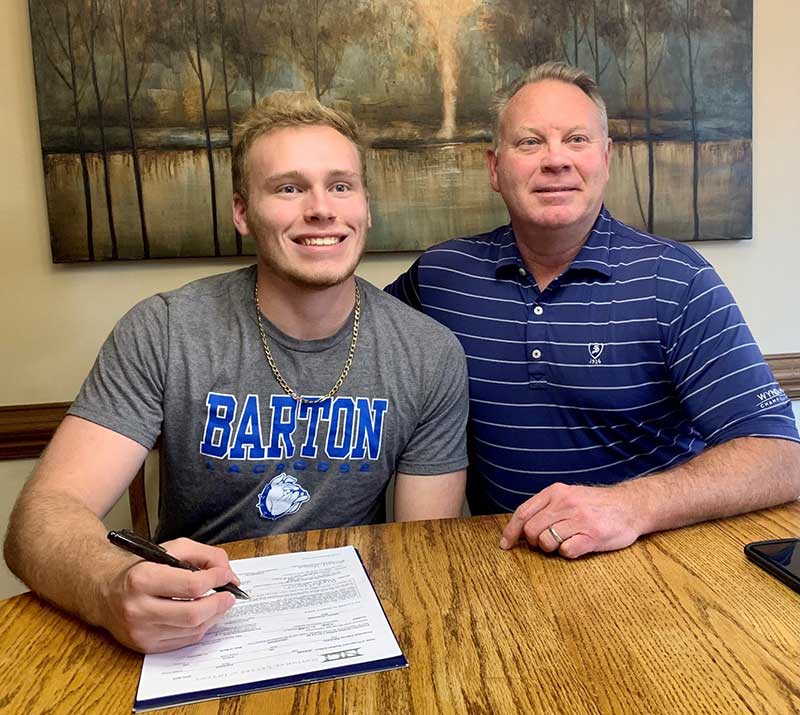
558	71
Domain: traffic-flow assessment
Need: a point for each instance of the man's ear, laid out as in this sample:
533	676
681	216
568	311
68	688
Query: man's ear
369	213
607	157
491	162
240	214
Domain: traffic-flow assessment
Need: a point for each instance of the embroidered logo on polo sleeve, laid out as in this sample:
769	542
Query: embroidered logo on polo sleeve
595	350
770	398
281	497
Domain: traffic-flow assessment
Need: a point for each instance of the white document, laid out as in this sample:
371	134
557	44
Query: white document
311	616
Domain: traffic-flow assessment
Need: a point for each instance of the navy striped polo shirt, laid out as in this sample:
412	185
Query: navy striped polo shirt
632	361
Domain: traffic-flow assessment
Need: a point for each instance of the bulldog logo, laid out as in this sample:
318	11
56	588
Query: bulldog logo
595	350
281	497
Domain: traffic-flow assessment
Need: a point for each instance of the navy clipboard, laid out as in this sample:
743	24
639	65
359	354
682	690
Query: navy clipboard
291	681
303	677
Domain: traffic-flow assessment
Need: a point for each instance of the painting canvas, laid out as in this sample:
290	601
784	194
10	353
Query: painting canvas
138	100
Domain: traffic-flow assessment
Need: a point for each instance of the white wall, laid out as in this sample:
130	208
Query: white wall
55	317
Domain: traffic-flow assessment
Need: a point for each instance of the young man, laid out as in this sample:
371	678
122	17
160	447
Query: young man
286	396
615	389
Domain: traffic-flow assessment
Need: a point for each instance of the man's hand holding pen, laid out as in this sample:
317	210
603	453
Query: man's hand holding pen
153	607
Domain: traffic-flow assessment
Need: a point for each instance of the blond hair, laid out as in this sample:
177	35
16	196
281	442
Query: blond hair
558	71
284	109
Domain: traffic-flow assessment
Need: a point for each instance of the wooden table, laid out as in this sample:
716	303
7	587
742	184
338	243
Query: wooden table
678	623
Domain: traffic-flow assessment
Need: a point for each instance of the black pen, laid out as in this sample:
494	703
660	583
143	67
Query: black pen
135	544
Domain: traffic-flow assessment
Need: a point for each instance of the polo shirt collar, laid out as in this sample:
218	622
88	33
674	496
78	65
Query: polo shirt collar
507	255
593	255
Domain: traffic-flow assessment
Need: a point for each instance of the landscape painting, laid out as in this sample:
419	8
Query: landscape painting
138	102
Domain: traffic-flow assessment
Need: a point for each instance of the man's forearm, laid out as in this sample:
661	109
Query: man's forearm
741	475
56	542
58	547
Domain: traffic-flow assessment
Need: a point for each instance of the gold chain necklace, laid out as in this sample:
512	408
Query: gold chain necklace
347	363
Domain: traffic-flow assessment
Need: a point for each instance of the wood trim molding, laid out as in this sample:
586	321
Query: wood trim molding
786	368
25	430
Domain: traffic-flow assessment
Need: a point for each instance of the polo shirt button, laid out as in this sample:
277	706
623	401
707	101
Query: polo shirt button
536	354
538	310
521	271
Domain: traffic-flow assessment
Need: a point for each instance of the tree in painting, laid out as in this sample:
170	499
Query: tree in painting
132	27
688	15
194	34
92	28
597	20
650	20
319	32
56	43
250	30
573	25
619	36
522	32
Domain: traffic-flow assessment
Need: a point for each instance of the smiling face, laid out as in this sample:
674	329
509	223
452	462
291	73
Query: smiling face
306	206
551	167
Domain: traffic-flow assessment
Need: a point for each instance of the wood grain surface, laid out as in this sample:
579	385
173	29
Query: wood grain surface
680	622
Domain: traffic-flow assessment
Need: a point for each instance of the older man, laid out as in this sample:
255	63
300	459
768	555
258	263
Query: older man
286	396
615	389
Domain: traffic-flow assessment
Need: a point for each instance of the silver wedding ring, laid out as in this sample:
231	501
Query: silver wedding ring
555	535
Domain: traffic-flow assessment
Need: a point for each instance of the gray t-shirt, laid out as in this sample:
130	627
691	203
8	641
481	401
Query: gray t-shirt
240	458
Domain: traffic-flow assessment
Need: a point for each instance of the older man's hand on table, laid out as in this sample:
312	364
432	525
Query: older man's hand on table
575	520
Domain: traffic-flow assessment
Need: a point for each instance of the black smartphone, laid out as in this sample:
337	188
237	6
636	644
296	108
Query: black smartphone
781	558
